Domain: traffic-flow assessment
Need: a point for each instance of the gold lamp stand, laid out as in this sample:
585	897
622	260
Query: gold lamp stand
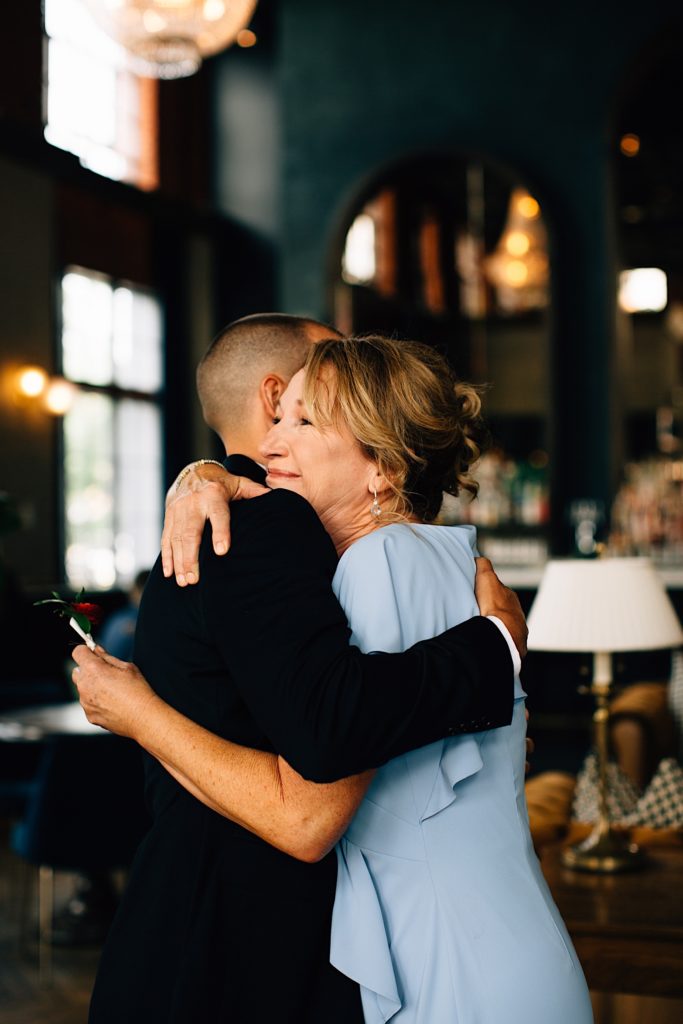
604	850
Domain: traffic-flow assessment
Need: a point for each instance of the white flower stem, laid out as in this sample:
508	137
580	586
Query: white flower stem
85	636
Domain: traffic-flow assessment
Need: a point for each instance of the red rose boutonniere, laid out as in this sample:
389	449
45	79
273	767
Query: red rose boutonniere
82	615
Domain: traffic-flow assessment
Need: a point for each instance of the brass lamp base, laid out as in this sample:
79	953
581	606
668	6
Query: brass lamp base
604	852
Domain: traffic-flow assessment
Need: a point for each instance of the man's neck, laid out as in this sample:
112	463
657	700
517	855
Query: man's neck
240	444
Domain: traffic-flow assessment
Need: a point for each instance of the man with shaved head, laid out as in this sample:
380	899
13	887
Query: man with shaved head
246	365
216	925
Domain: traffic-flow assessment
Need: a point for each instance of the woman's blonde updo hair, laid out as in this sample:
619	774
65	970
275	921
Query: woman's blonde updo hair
410	415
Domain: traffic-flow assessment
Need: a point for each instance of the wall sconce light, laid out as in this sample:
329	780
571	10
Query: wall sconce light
59	396
32	387
31	381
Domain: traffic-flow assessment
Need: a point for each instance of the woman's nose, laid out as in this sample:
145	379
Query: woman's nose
272	443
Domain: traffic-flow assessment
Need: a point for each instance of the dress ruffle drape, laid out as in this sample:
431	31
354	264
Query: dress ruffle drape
361	947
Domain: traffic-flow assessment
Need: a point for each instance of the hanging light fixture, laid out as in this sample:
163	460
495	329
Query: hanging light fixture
169	38
518	267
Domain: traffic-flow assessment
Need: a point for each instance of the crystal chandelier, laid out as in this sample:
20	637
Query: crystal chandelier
169	38
518	267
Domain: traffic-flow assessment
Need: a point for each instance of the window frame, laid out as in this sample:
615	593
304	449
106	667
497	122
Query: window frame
157	399
147	174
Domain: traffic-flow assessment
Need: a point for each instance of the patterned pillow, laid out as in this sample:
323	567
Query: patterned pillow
661	805
622	794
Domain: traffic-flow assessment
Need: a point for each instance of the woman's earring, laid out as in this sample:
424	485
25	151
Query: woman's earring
375	510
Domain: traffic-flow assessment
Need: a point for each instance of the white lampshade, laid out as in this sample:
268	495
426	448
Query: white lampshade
606	604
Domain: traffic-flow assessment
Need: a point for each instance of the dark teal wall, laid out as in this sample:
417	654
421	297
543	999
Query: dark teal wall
533	85
365	82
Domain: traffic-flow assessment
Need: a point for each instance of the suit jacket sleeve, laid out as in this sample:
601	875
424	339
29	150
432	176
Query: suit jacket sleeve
328	709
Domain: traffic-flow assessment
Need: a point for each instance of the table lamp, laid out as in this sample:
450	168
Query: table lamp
602	606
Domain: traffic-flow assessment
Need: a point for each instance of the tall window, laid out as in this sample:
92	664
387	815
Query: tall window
96	107
112	352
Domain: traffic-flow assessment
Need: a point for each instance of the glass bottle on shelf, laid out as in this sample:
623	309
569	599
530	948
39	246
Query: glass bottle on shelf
647	513
511	509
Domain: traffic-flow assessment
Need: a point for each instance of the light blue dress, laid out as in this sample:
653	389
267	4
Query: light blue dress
442	914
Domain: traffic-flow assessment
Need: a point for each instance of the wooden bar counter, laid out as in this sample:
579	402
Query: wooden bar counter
627	928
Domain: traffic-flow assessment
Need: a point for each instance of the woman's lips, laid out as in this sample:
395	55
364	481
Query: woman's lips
282	474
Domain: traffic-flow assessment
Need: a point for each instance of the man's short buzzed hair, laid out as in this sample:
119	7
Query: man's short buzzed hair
245	352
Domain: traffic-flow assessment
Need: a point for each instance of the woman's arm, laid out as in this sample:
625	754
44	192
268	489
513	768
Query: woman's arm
255	789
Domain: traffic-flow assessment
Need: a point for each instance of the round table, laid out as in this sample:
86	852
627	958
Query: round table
40	721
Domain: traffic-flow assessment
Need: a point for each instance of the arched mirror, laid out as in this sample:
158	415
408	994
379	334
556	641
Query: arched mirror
453	252
647	517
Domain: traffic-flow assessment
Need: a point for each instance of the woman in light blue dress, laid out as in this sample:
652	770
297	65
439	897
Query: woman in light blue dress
441	914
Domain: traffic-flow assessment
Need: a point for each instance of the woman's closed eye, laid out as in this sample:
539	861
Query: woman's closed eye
301	422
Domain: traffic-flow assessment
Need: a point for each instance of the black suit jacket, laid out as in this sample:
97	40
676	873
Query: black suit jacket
215	924
330	710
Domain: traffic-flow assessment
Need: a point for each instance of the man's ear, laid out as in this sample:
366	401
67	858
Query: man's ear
270	390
